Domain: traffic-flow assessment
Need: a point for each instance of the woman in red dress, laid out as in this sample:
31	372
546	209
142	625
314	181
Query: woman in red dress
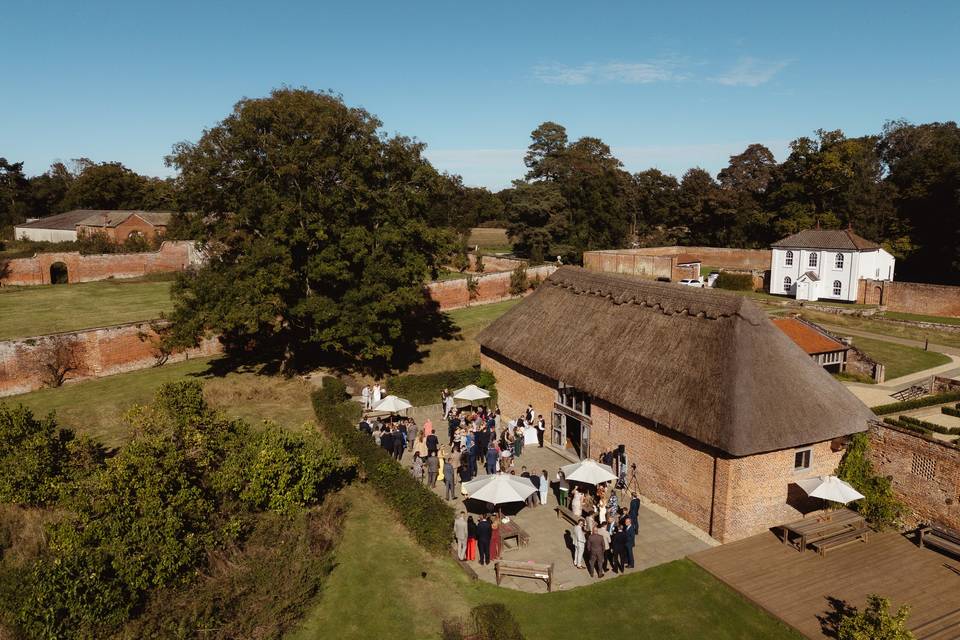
495	539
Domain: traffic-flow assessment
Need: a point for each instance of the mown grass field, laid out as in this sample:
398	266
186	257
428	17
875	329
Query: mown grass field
900	360
489	238
385	586
31	311
892	329
916	317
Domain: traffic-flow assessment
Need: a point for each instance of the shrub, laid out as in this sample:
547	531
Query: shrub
879	505
478	263
904	425
734	281
951	411
425	515
424	388
930	426
916	403
518	280
495	622
875	622
473	287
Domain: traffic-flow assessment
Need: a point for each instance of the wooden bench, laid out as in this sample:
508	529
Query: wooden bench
940	538
511	530
567	514
824	545
525	570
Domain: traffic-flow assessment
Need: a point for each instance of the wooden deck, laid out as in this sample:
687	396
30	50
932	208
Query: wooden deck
803	589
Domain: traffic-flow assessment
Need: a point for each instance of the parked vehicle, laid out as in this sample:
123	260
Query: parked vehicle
691	282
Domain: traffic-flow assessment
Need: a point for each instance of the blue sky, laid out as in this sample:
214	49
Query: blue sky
670	85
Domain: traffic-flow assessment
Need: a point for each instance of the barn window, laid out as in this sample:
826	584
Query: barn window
923	467
838	261
787	283
813	260
133	235
801	460
837	287
789	259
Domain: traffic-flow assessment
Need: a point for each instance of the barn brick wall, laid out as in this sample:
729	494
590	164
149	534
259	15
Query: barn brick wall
911	297
751	494
619	260
123	230
104	351
453	294
172	256
925	473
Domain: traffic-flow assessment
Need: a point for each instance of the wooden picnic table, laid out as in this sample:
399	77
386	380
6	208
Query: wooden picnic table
512	530
802	532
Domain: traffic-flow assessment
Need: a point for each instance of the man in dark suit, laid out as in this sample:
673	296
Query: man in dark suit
535	480
630	532
634	511
618	548
594	553
484	534
386	441
433	444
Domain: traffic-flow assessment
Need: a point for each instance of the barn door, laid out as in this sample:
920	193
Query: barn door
558	433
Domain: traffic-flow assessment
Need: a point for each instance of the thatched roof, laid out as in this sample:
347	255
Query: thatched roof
707	364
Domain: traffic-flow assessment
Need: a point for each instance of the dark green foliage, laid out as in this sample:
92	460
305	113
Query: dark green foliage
14	194
424	388
428	518
875	622
495	622
39	460
734	281
930	426
879	506
906	425
319	237
916	403
519	283
951	411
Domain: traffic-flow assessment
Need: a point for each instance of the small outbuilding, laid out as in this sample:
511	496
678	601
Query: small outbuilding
717	408
824	349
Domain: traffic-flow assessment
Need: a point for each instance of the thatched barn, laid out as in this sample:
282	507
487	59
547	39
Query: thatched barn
719	410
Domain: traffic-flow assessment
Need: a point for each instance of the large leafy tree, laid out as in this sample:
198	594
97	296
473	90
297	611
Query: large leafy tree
110	185
316	232
14	192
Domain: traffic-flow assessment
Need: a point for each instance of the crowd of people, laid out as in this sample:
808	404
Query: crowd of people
479	440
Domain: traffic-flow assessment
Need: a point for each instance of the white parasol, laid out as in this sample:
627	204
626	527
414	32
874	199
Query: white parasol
589	472
499	488
393	404
829	488
471	392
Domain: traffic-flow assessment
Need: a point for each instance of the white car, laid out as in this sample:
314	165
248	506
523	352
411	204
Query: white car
691	282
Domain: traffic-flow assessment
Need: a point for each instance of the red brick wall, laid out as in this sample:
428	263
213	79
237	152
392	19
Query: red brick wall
494	264
172	256
518	386
911	297
453	294
925	473
618	260
105	351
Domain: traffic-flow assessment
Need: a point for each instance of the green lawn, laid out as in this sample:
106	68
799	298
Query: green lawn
896	315
463	351
384	586
448	274
893	329
96	407
31	311
899	359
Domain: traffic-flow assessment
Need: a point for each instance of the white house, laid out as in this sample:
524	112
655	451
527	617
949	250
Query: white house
826	264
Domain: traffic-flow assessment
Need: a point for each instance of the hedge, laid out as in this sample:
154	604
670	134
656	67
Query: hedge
951	411
916	403
906	425
424	388
930	426
734	281
428	518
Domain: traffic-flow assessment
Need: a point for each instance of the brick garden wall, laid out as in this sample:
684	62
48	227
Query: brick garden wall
721	257
925	473
495	264
453	294
172	256
911	297
104	351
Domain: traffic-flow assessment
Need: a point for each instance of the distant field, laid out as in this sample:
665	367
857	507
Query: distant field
96	407
896	315
899	360
489	238
31	311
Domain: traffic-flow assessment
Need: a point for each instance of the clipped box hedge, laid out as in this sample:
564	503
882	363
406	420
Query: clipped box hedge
916	403
906	425
930	426
734	281
425	515
951	411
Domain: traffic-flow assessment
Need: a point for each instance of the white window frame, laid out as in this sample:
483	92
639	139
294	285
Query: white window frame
787	283
838	261
807	452
812	260
788	259
837	288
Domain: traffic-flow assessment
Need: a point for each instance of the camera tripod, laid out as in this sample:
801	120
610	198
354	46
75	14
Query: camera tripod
628	483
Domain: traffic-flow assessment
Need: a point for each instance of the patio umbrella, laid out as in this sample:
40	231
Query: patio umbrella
500	488
471	392
393	404
589	472
829	488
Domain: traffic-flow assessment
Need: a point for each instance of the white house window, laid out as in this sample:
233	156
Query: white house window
838	263
801	460
789	259
837	287
787	282
813	260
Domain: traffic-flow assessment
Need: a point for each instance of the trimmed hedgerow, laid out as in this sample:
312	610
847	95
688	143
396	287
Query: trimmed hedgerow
951	411
916	403
734	281
424	388
930	426
428	518
906	425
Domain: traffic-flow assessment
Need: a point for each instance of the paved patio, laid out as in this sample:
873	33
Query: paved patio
661	537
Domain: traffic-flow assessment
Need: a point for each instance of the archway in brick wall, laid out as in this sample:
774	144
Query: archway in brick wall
59	273
878	295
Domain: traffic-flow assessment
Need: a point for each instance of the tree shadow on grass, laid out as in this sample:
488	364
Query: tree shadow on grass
830	620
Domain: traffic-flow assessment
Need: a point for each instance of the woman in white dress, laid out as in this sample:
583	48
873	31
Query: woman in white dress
377	394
